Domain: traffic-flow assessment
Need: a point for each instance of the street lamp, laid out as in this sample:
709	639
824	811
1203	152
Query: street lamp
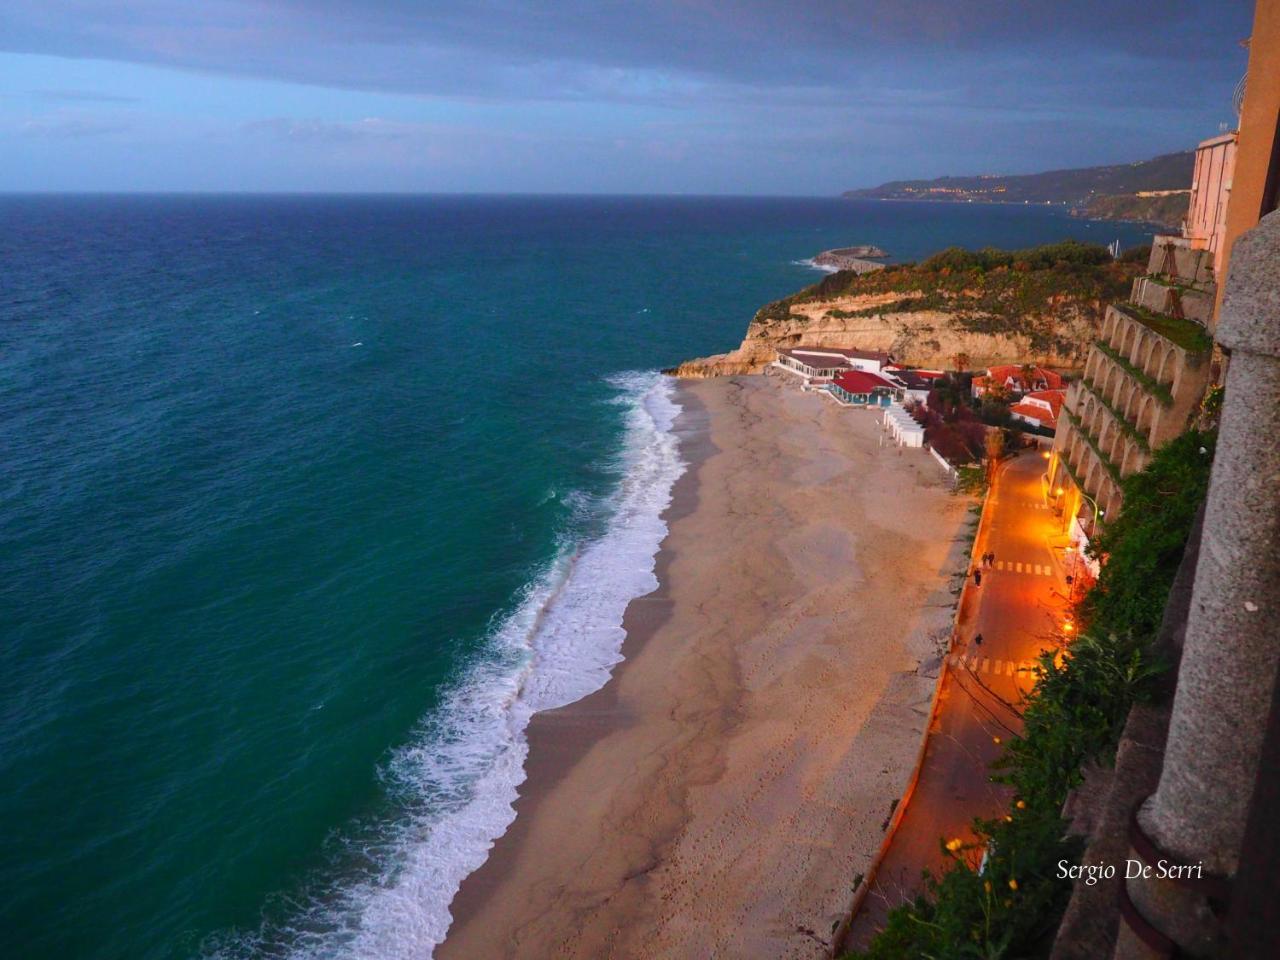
1096	513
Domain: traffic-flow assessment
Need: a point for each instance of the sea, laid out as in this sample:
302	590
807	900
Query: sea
308	503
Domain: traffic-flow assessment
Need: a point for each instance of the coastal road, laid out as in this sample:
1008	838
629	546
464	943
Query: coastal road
1018	611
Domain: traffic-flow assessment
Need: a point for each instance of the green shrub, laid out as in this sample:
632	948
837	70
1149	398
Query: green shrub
1143	545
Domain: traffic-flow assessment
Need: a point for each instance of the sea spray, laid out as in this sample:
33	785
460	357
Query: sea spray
456	781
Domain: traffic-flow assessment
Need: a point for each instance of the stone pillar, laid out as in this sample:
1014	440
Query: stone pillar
1198	812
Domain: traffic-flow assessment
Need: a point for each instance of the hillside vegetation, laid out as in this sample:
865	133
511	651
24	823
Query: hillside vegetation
1043	304
1171	171
1167	210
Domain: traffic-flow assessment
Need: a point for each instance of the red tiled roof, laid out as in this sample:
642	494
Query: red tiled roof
1032	412
1006	372
860	381
1052	397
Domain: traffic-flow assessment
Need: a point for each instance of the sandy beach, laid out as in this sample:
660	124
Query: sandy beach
721	795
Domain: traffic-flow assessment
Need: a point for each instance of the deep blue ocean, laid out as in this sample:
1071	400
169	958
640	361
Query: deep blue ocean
306	503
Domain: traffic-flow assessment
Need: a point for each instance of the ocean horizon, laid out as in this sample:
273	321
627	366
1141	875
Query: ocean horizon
313	500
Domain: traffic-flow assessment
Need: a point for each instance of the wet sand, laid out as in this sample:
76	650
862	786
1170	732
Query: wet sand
721	795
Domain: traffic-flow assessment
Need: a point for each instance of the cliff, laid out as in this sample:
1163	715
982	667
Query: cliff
1043	305
1165	208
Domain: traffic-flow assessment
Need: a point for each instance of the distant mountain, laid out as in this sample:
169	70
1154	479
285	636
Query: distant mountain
1172	171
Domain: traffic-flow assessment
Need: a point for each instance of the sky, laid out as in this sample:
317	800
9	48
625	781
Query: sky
599	96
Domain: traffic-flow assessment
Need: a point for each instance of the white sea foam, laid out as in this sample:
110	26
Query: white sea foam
822	268
457	780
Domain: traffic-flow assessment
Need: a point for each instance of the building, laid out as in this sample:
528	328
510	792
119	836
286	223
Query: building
1040	408
1206	221
1143	380
1147	373
1012	378
1196	777
862	389
902	426
823	363
914	382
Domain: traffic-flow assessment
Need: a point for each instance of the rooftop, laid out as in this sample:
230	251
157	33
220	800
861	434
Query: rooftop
860	381
1013	372
810	354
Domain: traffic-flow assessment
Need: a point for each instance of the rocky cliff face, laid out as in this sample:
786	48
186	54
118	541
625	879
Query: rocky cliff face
1013	312
925	338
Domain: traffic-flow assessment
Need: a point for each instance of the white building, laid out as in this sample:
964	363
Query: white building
902	426
824	363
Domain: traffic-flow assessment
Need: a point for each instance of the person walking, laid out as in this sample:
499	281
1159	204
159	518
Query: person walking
977	577
977	639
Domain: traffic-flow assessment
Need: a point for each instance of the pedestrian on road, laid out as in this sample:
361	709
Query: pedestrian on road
977	577
977	639
992	555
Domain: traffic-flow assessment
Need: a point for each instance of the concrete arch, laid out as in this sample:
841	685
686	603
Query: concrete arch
1167	371
1091	476
1146	417
1147	344
1115	448
1110	501
1102	435
1132	405
1115	383
1159	358
1091	365
1117	329
1128	340
1124	395
1132	460
1089	413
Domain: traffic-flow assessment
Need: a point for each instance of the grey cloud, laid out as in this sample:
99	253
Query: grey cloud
612	49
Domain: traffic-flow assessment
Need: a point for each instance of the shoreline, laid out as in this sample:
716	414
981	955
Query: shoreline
724	787
559	738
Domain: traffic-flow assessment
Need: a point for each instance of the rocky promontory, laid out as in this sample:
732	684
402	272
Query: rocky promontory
860	259
1042	305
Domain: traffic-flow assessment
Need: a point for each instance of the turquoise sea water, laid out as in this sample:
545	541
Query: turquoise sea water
307	503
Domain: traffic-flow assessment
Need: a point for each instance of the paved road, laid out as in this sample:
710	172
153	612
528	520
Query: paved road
1017	610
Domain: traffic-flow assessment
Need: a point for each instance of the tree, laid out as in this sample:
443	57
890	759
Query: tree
960	361
994	444
1029	375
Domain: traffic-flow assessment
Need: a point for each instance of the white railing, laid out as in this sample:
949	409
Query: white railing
951	471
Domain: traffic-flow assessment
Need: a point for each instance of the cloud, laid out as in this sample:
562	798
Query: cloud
327	131
617	49
79	96
72	128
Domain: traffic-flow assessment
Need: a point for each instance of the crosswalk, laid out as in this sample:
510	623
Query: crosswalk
992	665
1018	566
